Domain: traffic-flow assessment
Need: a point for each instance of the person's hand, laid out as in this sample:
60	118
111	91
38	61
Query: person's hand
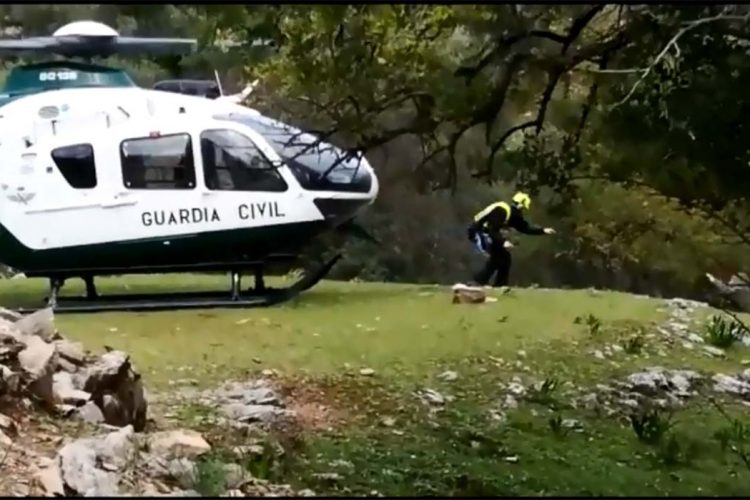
549	230
507	244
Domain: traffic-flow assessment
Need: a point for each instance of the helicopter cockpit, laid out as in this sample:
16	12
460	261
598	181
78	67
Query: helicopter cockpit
317	165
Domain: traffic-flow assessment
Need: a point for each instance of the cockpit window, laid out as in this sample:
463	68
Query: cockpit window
232	162
316	164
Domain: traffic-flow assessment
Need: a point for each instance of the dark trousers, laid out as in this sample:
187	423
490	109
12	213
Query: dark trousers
498	263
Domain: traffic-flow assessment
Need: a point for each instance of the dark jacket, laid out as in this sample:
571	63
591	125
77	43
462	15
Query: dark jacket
495	217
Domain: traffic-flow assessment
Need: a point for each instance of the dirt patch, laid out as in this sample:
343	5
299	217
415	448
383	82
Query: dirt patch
317	405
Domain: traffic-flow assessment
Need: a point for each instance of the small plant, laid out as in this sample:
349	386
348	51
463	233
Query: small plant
556	426
211	476
544	393
734	436
677	450
651	425
723	333
593	323
634	344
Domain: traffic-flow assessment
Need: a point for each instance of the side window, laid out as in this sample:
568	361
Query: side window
76	163
232	162
167	86
164	162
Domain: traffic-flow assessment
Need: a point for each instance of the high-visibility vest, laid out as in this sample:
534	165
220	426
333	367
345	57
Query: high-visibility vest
492	207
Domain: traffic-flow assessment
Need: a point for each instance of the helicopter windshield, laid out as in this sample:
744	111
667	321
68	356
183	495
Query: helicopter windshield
317	165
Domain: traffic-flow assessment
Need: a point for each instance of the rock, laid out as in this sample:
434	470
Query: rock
117	389
8	315
731	385
234	476
49	478
117	448
432	397
714	351
70	351
695	338
367	372
40	324
448	376
90	413
36	358
5	440
38	361
184	471
8	425
181	443
79	472
599	354
463	294
249	393
250	413
510	403
65	393
9	380
516	389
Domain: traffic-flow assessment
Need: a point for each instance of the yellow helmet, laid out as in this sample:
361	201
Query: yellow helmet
522	200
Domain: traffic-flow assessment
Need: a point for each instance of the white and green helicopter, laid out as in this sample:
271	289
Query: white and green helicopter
99	176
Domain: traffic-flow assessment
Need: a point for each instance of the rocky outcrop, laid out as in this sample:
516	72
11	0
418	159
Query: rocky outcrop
736	291
38	363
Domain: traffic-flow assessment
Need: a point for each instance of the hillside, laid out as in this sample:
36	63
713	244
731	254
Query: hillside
398	391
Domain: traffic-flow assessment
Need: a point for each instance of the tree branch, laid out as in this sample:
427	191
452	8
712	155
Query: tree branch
673	43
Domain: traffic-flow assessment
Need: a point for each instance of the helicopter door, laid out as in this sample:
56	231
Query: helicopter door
159	172
239	178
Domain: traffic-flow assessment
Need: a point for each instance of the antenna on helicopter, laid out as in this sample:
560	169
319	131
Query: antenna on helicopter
91	39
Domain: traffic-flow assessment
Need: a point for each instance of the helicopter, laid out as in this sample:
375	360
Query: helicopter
102	177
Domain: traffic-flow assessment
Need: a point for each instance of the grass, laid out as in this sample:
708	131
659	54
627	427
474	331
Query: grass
409	334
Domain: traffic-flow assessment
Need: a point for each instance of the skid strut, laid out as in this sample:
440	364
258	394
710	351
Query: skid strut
260	296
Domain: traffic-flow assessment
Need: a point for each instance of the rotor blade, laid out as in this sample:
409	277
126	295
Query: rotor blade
36	44
157	46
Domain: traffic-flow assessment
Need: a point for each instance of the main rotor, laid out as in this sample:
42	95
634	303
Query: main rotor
94	39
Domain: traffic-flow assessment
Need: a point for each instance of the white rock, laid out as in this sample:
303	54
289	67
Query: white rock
178	443
714	351
732	385
36	358
248	413
117	448
695	338
7	424
62	387
599	354
49	478
78	462
70	351
5	440
40	324
90	413
516	389
448	376
367	372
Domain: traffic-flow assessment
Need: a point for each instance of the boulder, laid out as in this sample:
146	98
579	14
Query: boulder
40	324
72	352
38	361
49	478
117	389
9	380
65	392
78	466
90	413
181	443
463	294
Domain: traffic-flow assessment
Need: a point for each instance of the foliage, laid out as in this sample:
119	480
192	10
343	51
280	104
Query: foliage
722	332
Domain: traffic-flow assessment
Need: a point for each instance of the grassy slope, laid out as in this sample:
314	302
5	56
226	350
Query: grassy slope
409	334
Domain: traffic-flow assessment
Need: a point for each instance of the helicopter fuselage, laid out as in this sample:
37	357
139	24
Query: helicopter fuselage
117	180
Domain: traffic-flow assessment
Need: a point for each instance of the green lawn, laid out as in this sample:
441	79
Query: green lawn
408	334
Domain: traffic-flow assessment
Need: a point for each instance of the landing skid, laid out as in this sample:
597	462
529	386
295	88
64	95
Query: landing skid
260	296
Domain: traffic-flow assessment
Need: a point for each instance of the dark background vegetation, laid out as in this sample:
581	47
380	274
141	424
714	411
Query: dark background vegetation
626	122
